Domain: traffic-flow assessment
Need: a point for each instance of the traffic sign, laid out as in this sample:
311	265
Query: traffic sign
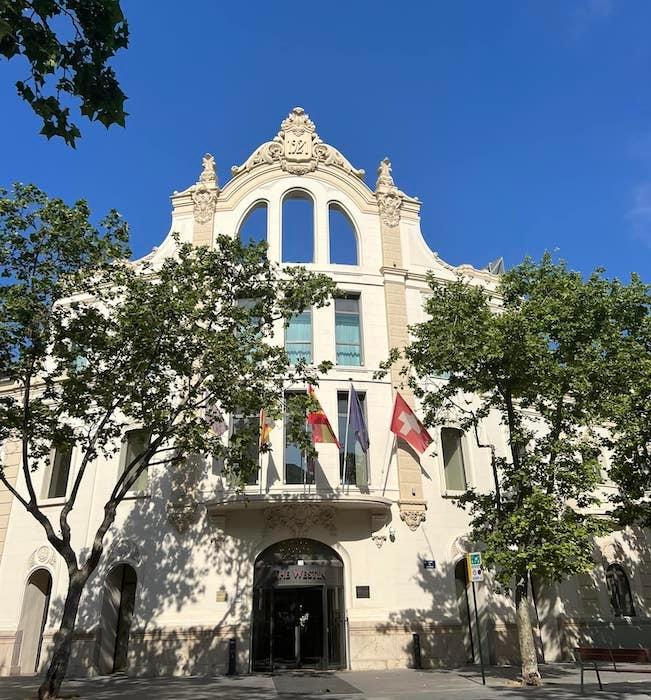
475	567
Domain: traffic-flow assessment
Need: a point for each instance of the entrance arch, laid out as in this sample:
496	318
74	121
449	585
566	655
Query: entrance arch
117	612
33	616
298	607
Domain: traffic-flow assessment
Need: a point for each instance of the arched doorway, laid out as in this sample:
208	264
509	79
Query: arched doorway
117	612
298	607
33	616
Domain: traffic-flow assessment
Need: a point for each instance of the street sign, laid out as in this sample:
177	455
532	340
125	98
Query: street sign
475	567
429	564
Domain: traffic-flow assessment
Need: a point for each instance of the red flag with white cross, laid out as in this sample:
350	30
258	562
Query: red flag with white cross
406	426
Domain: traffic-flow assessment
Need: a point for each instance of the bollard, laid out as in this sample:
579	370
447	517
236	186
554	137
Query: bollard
417	659
231	657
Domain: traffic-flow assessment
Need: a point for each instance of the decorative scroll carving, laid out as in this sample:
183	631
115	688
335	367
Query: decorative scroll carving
412	518
298	149
300	517
460	547
389	197
182	513
42	556
124	549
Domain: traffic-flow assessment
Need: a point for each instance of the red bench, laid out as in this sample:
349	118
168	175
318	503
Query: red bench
595	655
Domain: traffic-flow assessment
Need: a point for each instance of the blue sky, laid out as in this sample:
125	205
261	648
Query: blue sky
522	126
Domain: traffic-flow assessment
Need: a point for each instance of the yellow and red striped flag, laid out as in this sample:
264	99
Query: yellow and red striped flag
266	424
318	421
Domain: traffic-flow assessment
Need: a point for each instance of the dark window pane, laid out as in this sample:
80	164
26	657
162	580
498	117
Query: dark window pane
60	472
343	241
354	468
455	472
250	424
254	226
298	228
298	468
137	441
619	591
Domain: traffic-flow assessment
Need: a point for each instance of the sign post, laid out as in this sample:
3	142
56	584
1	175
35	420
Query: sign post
476	574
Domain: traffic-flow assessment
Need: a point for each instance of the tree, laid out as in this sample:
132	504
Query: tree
68	44
626	407
534	353
91	342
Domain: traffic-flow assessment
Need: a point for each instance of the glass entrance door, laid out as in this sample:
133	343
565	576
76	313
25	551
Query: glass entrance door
297	637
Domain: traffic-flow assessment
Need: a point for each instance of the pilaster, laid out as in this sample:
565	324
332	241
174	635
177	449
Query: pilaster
204	198
11	464
411	501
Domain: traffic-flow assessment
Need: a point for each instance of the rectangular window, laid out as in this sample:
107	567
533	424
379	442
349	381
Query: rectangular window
298	338
299	469
348	335
454	467
250	424
60	471
135	444
354	468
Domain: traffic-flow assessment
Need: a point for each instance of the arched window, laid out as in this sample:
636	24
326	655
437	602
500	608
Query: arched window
298	228
619	591
453	463
343	240
254	227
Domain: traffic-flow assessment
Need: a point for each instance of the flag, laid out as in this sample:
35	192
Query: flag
356	421
406	426
266	424
318	421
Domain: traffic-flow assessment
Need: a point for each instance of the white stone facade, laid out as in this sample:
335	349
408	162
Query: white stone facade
194	560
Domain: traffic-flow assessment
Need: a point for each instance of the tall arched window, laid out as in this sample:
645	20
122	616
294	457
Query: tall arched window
343	239
298	228
254	227
619	591
33	617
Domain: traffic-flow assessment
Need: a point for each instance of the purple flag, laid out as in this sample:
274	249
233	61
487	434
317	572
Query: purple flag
357	424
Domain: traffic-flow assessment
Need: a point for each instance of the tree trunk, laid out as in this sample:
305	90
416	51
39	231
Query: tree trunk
49	689
530	673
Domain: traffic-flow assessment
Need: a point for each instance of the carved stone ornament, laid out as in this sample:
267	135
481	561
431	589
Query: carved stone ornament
42	556
412	518
205	191
182	513
300	517
389	197
298	149
124	549
378	539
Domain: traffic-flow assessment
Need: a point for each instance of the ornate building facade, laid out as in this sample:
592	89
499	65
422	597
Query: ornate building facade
333	563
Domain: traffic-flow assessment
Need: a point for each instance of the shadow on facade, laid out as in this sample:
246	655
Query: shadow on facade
173	567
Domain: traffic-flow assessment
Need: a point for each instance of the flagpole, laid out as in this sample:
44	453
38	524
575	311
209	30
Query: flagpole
391	443
346	438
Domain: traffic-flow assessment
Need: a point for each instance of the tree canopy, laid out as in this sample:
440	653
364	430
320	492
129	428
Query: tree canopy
92	344
538	353
68	45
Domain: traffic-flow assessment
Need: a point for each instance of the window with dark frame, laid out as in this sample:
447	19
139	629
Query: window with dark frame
299	469
60	472
348	331
298	338
135	444
353	469
619	591
250	424
453	461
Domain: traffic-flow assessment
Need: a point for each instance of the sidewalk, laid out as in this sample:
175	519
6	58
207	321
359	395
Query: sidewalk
561	683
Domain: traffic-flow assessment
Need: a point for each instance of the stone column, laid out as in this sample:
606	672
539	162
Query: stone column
204	198
411	501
